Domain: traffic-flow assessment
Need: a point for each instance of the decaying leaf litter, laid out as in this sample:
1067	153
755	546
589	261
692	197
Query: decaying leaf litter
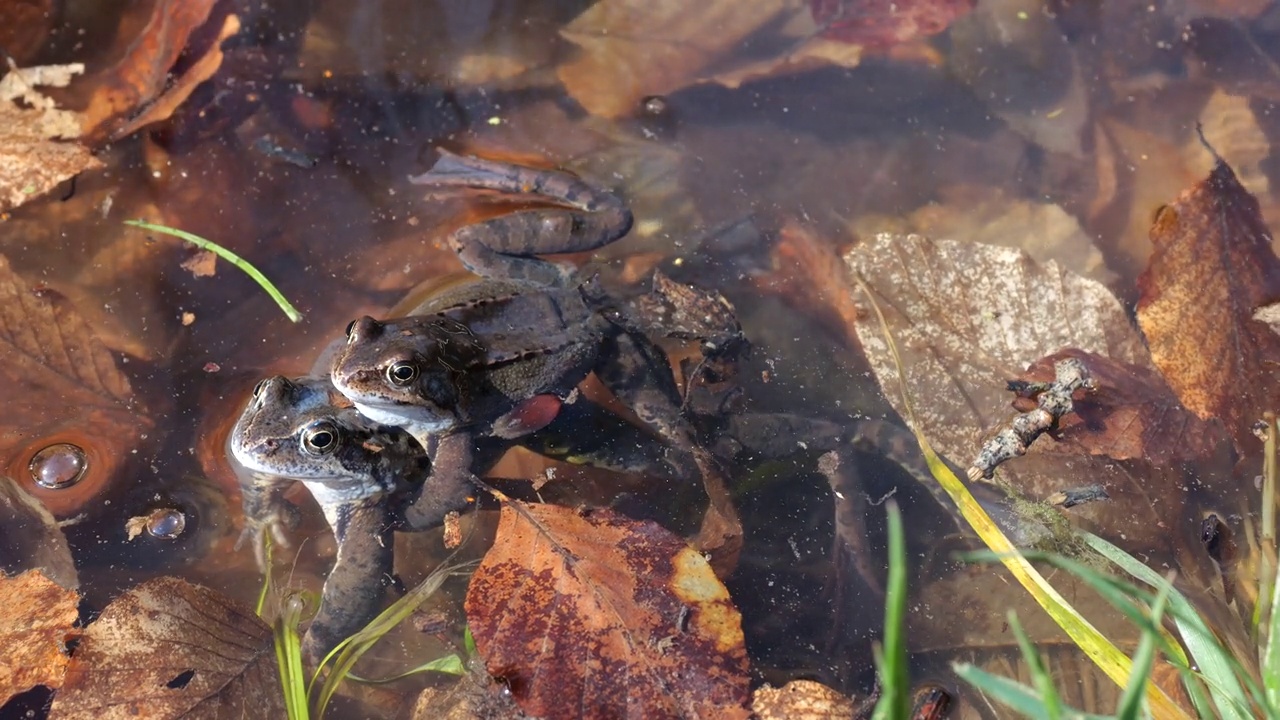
865	123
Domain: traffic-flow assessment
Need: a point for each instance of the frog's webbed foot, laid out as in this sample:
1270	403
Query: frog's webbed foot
266	511
583	218
354	587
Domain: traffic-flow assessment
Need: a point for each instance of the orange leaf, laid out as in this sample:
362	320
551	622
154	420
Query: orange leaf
34	628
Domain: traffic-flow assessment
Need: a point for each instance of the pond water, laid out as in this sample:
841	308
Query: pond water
1057	127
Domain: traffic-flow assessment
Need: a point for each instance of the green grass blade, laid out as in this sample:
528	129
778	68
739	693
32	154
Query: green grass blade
266	575
895	685
1271	653
449	665
1226	678
1020	698
288	645
1039	673
1113	663
1130	705
230	257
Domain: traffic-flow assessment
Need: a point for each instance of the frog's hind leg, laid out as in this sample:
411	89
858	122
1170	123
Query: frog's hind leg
583	218
355	586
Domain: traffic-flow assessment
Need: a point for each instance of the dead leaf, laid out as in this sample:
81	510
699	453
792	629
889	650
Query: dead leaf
168	648
1212	265
816	52
24	27
1132	413
32	161
878	25
201	264
128	87
64	386
38	621
592	615
967	317
177	92
632	49
801	700
30	538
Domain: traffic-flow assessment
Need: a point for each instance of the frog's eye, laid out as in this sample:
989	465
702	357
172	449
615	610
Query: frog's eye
350	326
257	389
402	373
319	438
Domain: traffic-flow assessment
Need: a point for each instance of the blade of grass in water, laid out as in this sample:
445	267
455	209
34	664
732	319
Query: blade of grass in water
266	575
1051	703
891	662
288	646
449	665
1101	651
230	257
1130	705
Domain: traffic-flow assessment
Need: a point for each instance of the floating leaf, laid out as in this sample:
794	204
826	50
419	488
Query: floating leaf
590	614
34	629
1212	265
168	648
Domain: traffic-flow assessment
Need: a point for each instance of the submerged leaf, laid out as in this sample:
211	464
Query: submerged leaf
35	626
803	700
1211	267
595	615
168	648
882	24
30	538
1131	413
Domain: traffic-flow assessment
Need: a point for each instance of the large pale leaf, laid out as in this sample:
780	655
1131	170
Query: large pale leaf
35	626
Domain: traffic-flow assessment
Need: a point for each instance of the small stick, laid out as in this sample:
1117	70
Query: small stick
1054	402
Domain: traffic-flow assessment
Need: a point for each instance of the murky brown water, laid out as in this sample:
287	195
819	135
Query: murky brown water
1015	126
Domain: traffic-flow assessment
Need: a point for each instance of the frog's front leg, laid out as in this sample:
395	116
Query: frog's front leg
507	247
265	511
451	484
362	570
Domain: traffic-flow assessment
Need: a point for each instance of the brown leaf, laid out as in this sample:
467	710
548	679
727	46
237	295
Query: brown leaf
64	386
32	539
1132	413
967	317
35	626
202	264
593	615
632	49
168	648
143	72
801	700
24	27
1212	265
32	161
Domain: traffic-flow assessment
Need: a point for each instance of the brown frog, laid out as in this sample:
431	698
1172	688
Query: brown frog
502	356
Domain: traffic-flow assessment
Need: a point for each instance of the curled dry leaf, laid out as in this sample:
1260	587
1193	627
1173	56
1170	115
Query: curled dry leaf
168	648
127	88
801	700
63	386
1131	413
30	538
32	161
593	615
967	317
35	626
1211	267
631	49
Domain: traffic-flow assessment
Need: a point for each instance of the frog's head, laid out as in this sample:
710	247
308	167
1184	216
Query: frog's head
303	429
409	371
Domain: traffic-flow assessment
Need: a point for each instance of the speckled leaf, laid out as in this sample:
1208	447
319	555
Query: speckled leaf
1211	267
801	700
33	159
1131	413
968	317
169	649
593	615
34	629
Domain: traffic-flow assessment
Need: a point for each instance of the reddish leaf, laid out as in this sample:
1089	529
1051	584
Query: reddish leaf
881	24
34	628
168	648
593	615
1212	265
1132	413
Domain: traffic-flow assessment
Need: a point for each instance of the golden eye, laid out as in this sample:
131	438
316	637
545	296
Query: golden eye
319	438
402	373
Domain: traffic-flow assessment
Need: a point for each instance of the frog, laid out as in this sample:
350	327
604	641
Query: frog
503	356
